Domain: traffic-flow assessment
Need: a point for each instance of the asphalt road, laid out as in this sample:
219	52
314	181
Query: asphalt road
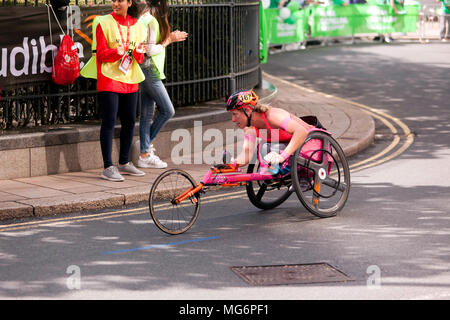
391	240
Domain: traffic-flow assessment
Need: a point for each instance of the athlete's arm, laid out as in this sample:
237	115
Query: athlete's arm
281	119
248	147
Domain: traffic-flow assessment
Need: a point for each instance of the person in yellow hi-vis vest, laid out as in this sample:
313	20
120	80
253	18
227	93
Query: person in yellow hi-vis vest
118	49
155	20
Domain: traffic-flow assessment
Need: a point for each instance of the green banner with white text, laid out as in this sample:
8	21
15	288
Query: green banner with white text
337	21
290	24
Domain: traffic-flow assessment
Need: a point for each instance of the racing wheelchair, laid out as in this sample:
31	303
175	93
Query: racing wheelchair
317	172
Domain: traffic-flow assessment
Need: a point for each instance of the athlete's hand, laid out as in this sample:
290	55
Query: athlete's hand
274	158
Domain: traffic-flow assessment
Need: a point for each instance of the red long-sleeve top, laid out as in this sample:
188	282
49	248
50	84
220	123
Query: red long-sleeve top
106	54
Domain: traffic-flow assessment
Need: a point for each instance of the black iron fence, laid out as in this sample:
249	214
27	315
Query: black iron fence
220	56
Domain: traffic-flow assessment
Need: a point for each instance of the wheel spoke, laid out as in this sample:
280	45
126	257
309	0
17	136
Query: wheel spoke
261	191
316	193
341	186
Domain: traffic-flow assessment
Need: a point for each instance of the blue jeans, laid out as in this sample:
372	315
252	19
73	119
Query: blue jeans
153	91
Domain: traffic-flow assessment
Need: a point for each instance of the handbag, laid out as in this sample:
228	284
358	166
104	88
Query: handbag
66	63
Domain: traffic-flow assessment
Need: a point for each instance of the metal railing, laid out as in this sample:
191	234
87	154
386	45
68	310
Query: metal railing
429	22
220	56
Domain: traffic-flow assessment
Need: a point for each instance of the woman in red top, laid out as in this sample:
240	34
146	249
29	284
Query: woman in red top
118	49
271	124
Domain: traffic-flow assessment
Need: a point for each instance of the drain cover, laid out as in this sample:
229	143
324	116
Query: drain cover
290	274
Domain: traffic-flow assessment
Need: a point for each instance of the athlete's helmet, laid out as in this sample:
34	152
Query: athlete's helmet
242	98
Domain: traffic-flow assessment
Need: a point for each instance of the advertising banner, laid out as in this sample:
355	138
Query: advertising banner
289	30
263	35
25	46
290	24
336	21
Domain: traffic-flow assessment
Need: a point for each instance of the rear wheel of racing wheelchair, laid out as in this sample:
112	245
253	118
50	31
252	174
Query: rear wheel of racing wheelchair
169	216
322	178
267	194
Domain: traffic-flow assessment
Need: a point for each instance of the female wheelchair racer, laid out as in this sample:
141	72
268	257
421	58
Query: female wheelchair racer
293	154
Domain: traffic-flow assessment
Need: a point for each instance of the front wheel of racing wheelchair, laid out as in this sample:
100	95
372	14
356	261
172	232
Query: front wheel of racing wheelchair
322	178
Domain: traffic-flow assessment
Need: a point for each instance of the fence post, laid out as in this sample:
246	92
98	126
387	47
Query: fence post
232	80
259	85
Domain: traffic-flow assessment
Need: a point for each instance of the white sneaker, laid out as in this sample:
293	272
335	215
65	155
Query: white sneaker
130	169
112	174
152	161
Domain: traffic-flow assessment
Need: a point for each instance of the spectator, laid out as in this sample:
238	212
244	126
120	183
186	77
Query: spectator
339	2
301	3
118	75
336	3
155	19
444	20
275	3
393	4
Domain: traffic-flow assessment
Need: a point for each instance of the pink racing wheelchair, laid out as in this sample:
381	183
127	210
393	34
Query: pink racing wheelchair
318	172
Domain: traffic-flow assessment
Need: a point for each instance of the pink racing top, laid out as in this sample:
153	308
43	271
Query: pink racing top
283	135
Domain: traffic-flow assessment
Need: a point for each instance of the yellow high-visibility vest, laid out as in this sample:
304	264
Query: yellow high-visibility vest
110	29
158	59
89	70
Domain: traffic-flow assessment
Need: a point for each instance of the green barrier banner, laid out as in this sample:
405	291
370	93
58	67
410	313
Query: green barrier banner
263	36
289	30
336	21
290	25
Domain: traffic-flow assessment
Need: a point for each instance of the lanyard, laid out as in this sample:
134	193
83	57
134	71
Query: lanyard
128	35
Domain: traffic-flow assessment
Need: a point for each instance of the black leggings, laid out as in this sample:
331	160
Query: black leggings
113	104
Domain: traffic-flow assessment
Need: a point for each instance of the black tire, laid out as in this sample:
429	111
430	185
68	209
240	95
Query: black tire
170	217
322	178
267	194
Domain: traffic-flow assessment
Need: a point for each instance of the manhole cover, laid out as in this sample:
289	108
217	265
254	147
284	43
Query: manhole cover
290	274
